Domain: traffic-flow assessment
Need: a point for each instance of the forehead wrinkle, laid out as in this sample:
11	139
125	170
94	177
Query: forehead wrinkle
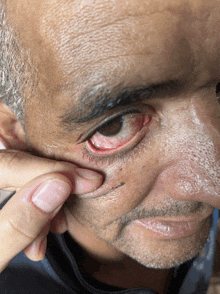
79	22
64	38
79	27
88	14
84	48
83	22
83	34
76	54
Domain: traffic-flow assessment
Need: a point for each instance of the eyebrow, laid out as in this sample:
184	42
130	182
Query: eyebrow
98	100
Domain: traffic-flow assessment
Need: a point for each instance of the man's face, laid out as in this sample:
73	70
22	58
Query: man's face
128	88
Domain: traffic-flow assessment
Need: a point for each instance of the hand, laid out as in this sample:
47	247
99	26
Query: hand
42	186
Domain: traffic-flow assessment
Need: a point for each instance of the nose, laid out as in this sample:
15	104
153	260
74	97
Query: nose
193	152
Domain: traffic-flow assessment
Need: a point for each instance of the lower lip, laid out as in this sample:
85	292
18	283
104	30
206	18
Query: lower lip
170	229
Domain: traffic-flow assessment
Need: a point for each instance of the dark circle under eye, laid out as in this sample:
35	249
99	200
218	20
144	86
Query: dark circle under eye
112	128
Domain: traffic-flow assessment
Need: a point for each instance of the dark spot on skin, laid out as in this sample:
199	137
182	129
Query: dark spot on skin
143	166
112	189
121	184
109	191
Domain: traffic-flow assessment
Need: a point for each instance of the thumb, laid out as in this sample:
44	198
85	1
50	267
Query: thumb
28	213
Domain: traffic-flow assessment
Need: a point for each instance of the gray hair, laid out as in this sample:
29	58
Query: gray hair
17	75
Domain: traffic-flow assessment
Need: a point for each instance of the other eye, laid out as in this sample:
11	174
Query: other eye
117	131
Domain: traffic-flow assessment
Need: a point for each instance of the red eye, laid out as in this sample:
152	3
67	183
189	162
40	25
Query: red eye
118	131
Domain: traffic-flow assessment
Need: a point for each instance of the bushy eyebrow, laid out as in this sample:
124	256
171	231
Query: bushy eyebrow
97	100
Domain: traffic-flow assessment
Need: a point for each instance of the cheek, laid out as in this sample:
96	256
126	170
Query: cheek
103	215
126	187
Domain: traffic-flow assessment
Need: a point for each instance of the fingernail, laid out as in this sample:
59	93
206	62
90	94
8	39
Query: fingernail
50	195
88	174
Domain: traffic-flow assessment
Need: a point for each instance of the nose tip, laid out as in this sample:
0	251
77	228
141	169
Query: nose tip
178	183
187	182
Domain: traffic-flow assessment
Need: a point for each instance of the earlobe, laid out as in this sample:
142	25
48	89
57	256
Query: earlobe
12	134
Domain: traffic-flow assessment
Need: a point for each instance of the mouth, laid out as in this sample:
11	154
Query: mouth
171	229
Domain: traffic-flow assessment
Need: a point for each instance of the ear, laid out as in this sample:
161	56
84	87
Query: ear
12	134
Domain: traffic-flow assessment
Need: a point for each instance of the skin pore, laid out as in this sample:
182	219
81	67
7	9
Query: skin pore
163	162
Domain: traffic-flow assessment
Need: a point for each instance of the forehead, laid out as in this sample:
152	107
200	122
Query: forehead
78	42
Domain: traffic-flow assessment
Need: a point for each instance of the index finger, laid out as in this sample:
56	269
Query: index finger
18	168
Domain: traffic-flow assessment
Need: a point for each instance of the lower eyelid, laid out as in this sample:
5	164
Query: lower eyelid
122	139
110	157
98	160
101	143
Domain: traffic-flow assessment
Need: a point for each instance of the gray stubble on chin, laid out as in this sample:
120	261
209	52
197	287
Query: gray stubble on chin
164	254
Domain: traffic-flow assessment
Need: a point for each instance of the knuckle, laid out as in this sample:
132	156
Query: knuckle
15	227
27	222
9	166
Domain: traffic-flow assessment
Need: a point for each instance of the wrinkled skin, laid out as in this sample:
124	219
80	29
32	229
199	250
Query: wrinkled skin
171	167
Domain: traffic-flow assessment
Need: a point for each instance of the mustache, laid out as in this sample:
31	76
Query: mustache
176	209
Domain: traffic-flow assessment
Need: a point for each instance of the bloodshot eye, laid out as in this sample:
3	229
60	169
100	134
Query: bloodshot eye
117	132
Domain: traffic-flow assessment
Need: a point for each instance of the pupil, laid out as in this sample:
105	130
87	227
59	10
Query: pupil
112	128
